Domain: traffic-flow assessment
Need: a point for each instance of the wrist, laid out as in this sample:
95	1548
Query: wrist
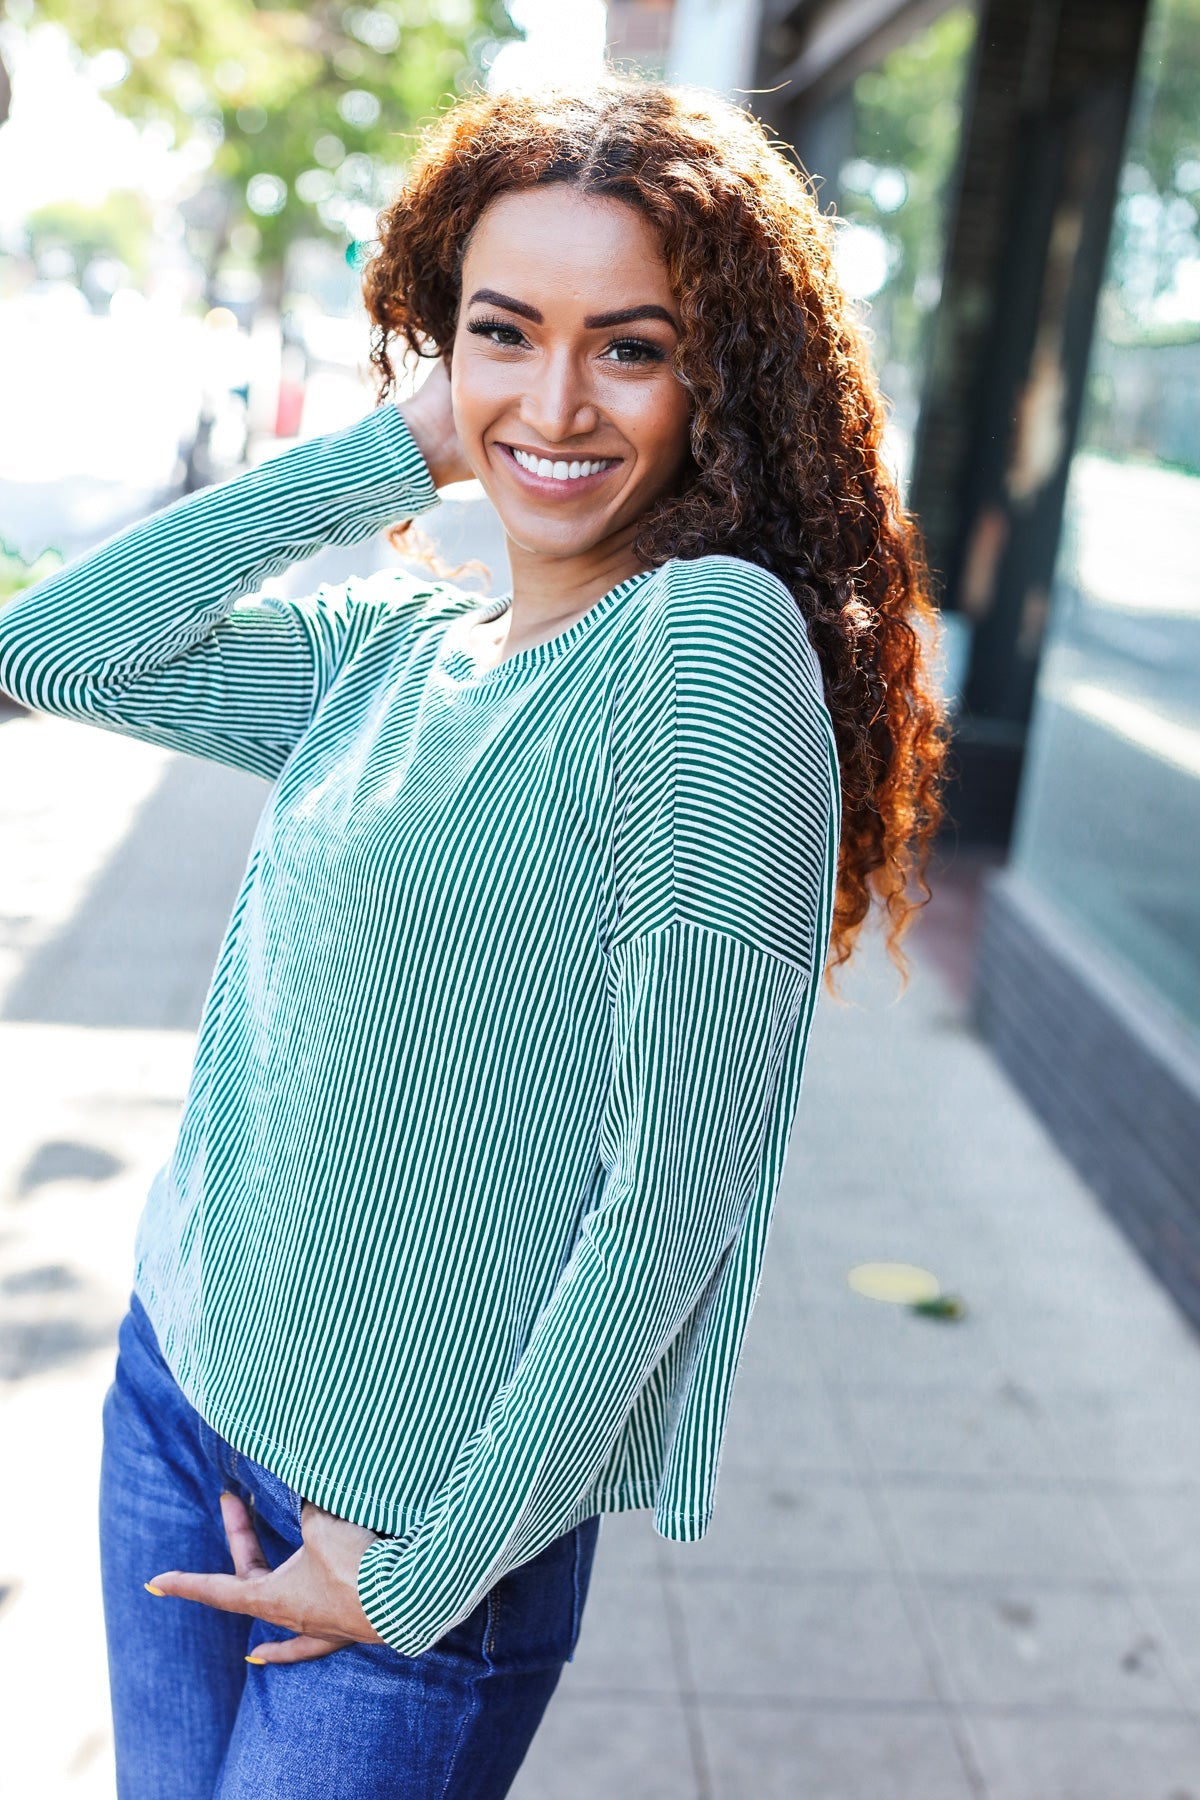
442	456
369	1585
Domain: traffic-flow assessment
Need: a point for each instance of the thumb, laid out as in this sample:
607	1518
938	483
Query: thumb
303	1648
244	1547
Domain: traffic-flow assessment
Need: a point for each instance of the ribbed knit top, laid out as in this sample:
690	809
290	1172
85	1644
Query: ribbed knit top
502	1052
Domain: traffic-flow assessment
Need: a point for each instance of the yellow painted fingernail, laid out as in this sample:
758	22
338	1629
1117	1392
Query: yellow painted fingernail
151	1589
258	1659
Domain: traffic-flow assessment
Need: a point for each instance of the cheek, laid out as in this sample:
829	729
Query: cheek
660	426
475	394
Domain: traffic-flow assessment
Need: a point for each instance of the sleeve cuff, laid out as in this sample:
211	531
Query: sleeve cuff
376	1571
405	459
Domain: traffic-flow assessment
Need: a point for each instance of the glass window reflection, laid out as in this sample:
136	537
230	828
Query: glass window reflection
1109	825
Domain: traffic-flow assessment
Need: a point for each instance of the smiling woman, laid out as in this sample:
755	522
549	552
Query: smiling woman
541	380
544	225
500	1062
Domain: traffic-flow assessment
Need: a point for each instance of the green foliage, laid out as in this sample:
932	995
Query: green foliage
1165	129
907	116
1141	393
16	573
308	109
119	226
1156	225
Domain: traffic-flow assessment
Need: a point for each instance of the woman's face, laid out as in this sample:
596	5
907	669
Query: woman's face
564	398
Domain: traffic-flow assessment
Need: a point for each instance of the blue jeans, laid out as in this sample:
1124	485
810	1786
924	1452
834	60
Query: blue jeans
193	1721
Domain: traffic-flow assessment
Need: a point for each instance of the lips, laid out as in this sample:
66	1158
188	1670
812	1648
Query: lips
560	477
559	468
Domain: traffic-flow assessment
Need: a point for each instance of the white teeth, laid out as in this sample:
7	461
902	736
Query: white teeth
560	471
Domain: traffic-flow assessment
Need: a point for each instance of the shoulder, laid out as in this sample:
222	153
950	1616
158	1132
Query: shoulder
718	641
731	619
723	579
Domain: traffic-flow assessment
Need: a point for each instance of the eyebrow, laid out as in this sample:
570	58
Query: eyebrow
509	304
627	315
593	321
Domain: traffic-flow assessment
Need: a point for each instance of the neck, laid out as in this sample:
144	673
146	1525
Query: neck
548	589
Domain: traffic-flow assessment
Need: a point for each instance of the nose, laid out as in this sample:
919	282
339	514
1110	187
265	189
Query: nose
558	403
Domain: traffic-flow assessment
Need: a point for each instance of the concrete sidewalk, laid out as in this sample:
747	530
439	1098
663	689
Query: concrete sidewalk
951	1557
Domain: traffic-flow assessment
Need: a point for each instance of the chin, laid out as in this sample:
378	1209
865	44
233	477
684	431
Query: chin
540	535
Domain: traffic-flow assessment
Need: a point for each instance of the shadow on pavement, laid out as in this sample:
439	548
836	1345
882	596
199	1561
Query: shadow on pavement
140	949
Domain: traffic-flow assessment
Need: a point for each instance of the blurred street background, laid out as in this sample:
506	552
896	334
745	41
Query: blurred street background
955	1554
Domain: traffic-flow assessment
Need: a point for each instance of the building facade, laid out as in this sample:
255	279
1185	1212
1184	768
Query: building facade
1088	972
1018	186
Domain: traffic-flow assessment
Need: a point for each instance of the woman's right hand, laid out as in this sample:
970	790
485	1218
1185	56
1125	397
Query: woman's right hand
429	415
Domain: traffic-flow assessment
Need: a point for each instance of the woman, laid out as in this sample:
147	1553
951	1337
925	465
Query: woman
503	1047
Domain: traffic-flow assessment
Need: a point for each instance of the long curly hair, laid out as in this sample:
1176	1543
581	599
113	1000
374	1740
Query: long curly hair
787	420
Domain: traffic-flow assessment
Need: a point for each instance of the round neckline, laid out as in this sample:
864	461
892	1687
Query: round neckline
465	666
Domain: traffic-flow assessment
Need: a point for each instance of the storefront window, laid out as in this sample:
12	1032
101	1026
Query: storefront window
1109	822
887	149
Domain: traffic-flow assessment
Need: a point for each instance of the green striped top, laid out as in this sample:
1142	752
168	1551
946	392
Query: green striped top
502	1051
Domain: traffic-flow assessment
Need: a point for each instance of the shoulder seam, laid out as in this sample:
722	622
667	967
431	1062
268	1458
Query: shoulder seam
789	962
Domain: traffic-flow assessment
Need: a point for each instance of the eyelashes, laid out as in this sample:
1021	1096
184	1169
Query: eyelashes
484	327
652	353
646	351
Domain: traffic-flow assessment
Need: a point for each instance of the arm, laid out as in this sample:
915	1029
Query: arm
712	960
701	1024
150	634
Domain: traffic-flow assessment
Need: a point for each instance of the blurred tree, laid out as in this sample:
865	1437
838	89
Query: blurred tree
1143	368
905	133
119	227
301	111
1166	124
1156	224
16	573
907	116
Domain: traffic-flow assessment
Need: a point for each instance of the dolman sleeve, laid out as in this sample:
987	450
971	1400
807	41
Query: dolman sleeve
721	836
159	635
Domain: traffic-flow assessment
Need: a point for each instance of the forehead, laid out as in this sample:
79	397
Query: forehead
559	240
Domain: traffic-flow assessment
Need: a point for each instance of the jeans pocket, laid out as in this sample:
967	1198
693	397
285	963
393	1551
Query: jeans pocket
277	1503
534	1613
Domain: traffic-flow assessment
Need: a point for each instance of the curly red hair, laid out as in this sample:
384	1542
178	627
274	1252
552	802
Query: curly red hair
786	423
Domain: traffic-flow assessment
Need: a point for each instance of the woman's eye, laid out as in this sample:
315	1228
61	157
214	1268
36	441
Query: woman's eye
498	331
634	350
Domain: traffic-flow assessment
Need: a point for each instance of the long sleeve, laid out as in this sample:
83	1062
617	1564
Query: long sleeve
718	864
152	633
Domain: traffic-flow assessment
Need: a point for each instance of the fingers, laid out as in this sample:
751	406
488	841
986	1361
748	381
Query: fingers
313	1587
239	1592
229	1593
248	1558
304	1648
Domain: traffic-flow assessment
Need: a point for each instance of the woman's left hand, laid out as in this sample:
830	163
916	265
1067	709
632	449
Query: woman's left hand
314	1593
